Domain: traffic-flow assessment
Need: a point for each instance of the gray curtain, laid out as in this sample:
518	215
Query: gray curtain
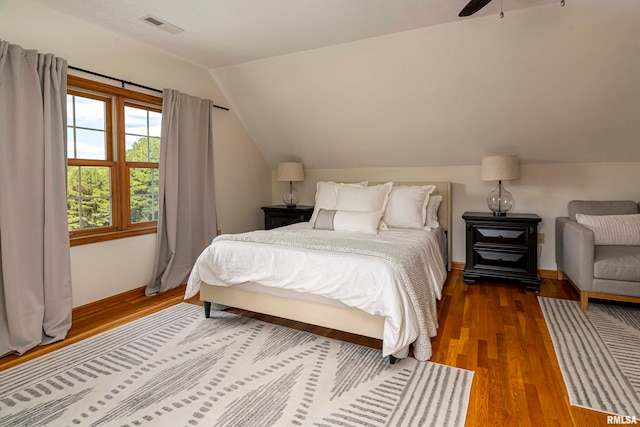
187	217
35	270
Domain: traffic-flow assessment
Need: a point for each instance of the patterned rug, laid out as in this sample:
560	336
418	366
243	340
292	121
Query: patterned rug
599	353
176	368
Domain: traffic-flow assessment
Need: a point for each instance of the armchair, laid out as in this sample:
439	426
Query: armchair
597	271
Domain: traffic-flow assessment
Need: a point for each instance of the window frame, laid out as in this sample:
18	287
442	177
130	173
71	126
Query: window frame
121	226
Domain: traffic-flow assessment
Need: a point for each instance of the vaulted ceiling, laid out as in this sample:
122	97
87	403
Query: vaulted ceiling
375	83
222	32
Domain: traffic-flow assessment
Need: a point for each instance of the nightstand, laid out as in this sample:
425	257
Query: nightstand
502	248
280	215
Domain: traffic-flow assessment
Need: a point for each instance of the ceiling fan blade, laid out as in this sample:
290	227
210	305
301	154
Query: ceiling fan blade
473	6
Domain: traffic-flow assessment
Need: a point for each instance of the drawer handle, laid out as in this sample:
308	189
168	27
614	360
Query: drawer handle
499	236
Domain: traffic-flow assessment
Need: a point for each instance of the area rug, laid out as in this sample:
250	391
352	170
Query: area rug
599	353
176	368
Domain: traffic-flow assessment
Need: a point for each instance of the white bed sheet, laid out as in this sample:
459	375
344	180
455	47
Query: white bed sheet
368	283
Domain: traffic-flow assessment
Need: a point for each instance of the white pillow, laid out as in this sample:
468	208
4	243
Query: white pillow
363	222
432	211
407	207
326	195
613	229
363	199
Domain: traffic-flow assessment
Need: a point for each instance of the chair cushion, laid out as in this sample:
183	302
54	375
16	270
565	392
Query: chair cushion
597	207
617	263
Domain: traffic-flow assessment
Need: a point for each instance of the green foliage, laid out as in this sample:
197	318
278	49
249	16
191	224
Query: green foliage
140	152
88	197
143	182
89	192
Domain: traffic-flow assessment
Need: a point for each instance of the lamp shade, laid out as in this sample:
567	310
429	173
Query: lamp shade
290	171
500	168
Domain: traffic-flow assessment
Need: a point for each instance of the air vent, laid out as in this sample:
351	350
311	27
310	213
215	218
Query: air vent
161	24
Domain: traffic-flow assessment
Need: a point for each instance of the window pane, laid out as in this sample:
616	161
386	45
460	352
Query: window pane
86	128
91	144
70	113
155	123
73	204
96	212
142	128
90	113
137	149
135	121
95	181
88	197
140	149
154	150
73	213
144	194
71	143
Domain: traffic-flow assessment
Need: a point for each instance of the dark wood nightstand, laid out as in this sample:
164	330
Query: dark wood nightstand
280	215
502	247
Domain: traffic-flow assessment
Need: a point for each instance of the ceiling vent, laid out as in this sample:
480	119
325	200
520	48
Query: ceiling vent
161	24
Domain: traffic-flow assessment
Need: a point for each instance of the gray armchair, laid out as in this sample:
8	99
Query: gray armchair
597	271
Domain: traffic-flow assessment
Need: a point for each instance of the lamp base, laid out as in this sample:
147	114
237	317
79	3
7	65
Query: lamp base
500	200
290	196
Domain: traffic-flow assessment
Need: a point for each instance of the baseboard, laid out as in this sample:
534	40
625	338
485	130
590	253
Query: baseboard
99	305
544	274
548	274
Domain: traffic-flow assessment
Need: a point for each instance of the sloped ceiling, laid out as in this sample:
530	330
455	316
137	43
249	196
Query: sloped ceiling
374	83
227	32
548	84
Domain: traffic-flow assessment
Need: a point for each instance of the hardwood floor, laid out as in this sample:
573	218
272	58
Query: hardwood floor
496	330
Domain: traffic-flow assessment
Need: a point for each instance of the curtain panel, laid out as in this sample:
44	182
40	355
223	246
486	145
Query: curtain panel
187	220
35	268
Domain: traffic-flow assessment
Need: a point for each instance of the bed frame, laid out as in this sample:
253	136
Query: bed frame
340	318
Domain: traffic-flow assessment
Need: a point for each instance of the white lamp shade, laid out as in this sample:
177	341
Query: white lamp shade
500	168
290	171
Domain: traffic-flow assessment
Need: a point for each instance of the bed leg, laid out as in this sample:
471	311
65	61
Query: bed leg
207	309
392	359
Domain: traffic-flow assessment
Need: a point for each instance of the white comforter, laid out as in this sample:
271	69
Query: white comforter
368	283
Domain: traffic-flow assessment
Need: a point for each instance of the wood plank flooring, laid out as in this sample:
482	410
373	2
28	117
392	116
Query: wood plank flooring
496	330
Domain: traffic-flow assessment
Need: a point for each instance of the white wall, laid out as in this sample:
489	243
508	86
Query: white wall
547	83
243	180
543	189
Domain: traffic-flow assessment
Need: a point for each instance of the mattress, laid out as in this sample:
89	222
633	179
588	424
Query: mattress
368	283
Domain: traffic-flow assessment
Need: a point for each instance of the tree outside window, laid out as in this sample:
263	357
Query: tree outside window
113	149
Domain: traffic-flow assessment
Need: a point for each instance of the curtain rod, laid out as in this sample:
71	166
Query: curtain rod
123	82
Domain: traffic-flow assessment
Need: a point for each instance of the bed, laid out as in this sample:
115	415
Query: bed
332	284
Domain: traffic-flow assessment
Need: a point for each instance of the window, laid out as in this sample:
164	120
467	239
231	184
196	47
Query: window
113	149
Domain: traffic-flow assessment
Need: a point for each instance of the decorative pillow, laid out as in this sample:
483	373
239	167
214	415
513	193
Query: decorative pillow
407	207
613	229
363	199
326	195
363	222
432	211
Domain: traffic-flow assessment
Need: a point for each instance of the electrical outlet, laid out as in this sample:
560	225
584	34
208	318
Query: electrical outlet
540	237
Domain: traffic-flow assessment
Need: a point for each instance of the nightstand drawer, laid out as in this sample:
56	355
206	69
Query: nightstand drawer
512	261
516	236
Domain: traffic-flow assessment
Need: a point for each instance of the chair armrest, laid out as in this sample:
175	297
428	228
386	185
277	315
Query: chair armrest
575	251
